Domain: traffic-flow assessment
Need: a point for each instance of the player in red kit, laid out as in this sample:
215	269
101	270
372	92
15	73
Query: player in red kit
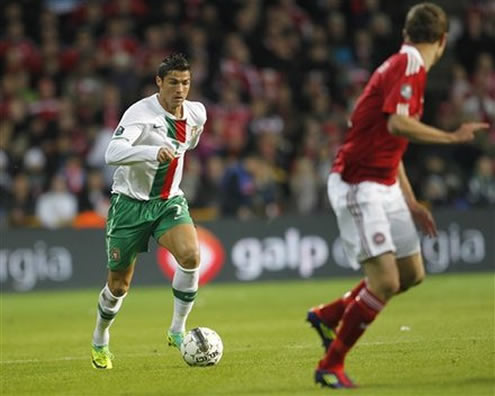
370	193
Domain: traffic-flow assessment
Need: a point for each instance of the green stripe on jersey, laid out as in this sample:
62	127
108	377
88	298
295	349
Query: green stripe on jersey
160	175
159	180
171	128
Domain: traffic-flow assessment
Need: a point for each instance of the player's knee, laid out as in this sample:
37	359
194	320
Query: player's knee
389	288
412	280
119	287
119	291
190	258
417	279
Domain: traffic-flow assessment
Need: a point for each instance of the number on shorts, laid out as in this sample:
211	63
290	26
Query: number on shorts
179	211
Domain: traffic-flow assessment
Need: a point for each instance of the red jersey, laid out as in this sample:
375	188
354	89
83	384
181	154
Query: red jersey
370	152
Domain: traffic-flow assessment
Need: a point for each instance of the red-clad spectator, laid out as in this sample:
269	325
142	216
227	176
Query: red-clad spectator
193	8
83	47
19	51
8	93
111	107
236	67
485	65
117	40
362	11
159	41
298	17
90	14
279	79
74	175
47	105
231	117
134	8
51	57
480	104
474	40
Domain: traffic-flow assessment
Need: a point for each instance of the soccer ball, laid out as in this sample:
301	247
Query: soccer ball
202	347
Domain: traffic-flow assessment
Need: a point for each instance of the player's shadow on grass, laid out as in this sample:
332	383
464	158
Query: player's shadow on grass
479	380
465	381
287	390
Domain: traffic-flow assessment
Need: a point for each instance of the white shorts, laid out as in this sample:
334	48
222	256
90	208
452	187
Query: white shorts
373	219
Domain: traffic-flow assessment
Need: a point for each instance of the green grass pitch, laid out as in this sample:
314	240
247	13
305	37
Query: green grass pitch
445	347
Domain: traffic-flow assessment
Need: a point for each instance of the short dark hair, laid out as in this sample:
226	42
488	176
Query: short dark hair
426	23
173	62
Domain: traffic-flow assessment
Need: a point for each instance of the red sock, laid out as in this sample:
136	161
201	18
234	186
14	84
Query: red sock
358	315
332	313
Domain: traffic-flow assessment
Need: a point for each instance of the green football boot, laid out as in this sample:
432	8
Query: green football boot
175	338
101	357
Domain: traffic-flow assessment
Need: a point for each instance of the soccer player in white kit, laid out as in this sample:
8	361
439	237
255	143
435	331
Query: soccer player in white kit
371	195
148	147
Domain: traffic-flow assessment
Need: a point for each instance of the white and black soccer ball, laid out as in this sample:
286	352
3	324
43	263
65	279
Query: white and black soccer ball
202	347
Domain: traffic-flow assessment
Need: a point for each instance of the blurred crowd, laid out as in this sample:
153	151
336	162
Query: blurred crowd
279	79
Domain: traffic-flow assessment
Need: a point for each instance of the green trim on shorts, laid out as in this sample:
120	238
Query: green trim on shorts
131	223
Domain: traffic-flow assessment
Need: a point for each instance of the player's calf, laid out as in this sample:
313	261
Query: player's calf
411	271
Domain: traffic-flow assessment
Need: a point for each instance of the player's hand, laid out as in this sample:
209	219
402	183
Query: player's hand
466	131
165	154
424	219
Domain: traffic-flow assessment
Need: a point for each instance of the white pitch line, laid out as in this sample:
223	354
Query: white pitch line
418	340
239	349
68	358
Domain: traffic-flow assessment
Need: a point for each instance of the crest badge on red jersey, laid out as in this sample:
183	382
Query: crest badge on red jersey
406	91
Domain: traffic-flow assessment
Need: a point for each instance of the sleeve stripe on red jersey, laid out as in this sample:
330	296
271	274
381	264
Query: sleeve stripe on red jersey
414	59
413	64
402	109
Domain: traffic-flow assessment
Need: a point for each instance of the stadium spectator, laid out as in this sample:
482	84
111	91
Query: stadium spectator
482	183
20	203
191	179
304	186
57	207
474	41
94	196
238	188
67	73
211	185
34	163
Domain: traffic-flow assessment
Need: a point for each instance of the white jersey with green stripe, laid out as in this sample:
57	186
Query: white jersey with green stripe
144	128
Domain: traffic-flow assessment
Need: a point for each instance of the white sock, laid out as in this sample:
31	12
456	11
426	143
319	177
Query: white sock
185	288
108	306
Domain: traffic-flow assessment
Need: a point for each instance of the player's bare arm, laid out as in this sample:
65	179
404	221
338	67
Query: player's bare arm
421	215
417	131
